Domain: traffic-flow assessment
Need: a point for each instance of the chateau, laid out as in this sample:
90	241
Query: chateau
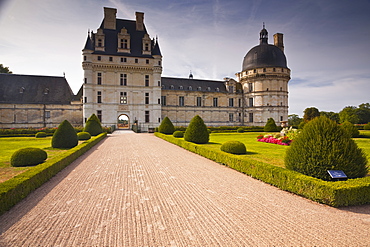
124	87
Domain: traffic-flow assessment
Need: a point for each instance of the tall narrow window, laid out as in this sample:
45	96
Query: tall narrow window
85	99
163	100
250	102
250	86
99	78
181	101
215	102
99	115
231	117
99	96
47	114
123	79
123	98
231	89
251	117
199	101
147	119
231	102
146	98
146	47
99	42
240	103
147	80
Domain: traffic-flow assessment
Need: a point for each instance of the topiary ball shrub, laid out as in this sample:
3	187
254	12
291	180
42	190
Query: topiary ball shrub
82	136
166	127
65	136
270	126
28	157
240	130
350	129
93	126
40	135
234	147
197	131
178	134
367	126
323	145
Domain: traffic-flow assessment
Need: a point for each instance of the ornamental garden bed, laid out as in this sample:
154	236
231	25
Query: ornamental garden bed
265	161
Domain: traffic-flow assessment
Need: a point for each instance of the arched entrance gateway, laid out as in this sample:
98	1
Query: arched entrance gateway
123	122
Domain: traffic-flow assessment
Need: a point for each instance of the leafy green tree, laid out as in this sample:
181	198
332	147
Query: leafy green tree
350	129
363	113
324	145
270	125
166	127
348	113
294	120
310	113
197	131
331	115
5	69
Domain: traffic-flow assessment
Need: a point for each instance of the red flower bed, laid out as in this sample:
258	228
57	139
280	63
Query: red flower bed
270	139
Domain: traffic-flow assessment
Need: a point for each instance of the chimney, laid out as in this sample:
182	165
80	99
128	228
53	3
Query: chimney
139	21
278	41
109	18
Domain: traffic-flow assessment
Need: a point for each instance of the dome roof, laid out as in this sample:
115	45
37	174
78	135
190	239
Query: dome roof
264	55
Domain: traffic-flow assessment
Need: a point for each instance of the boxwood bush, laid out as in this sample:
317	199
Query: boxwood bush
240	130
40	134
197	131
166	127
65	136
178	134
270	125
82	136
28	157
367	126
93	126
234	147
324	145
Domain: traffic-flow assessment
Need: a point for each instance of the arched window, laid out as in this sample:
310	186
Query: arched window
46	91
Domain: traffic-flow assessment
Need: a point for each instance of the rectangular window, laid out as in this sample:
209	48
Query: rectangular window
147	61
231	117
99	58
250	86
199	101
85	80
250	102
215	102
84	58
99	78
231	89
239	117
99	96
147	119
147	80
181	101
99	115
146	98
281	118
47	114
159	101
136	60
231	102
251	117
240	103
163	100
85	99
110	59
123	79
123	98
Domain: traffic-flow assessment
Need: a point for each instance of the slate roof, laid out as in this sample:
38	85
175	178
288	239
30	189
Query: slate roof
185	84
111	40
33	89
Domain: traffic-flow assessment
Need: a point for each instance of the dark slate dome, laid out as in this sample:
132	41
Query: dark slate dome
264	55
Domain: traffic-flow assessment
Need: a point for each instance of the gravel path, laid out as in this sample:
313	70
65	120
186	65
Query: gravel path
138	190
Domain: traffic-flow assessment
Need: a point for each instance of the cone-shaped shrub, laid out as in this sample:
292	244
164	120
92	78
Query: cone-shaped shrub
270	125
197	131
28	157
166	127
234	147
93	126
323	145
350	129
65	136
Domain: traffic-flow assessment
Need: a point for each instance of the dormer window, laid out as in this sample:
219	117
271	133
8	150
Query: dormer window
181	87
21	90
123	44
146	47
46	91
190	88
100	44
172	87
208	89
217	89
199	88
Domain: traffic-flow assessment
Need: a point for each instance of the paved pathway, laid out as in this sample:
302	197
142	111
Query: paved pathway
138	190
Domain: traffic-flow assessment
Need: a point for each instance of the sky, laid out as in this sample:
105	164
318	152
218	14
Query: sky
326	42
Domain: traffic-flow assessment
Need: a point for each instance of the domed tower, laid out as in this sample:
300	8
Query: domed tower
264	78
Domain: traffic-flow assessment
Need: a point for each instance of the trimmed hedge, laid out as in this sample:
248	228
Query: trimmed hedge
15	189
234	147
336	194
28	157
83	136
178	134
40	134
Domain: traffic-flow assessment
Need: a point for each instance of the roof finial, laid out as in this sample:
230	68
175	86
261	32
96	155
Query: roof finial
263	25
190	75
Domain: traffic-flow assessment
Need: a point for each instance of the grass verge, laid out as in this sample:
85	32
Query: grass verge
15	189
336	194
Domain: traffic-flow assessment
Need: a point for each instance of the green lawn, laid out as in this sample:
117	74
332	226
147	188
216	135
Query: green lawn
8	145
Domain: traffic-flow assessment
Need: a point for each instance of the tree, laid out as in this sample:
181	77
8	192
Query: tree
331	115
310	113
294	120
5	69
348	113
363	113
